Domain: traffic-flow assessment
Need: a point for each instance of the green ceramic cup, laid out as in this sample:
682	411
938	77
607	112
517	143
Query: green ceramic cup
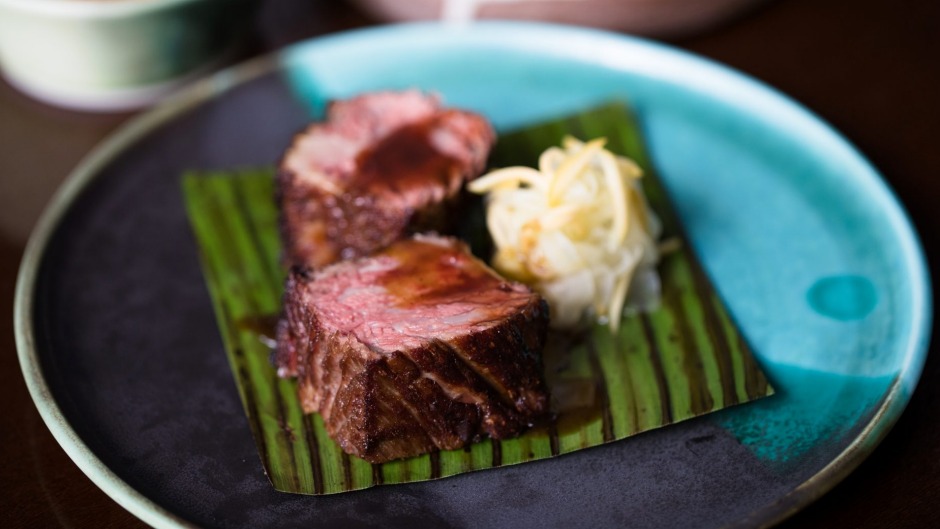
115	54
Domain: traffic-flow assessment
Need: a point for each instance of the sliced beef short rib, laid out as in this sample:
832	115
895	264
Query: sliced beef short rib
417	348
381	166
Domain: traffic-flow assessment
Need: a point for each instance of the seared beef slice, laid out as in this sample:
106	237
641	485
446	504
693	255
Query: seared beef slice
383	165
417	348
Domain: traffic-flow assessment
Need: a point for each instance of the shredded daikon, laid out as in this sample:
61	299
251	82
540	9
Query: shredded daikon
578	229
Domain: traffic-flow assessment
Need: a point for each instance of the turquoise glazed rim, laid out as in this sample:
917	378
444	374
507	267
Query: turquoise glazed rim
835	300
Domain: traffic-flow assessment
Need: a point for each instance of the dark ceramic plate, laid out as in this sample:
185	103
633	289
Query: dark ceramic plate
811	251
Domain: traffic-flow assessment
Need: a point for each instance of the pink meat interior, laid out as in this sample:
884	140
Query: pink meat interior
415	289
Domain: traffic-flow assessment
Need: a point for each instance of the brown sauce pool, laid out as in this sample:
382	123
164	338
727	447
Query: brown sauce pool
263	326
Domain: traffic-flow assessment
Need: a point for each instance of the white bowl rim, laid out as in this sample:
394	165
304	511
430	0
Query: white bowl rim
91	8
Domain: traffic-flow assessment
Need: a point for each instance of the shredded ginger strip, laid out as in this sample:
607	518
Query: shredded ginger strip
577	229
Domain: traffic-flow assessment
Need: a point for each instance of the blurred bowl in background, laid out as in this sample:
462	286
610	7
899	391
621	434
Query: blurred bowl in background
652	18
115	54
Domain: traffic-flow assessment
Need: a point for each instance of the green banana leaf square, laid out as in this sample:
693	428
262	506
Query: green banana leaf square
685	359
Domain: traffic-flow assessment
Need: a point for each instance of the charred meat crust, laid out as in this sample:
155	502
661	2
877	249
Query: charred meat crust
397	178
382	404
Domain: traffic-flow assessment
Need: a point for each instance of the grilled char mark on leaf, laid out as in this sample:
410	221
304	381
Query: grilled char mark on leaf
418	347
381	166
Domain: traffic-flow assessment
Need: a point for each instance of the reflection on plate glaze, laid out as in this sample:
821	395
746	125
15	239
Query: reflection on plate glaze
843	297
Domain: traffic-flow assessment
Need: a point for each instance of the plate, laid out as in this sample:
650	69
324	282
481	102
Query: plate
814	256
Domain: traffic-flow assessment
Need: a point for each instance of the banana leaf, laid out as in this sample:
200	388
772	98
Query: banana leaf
685	359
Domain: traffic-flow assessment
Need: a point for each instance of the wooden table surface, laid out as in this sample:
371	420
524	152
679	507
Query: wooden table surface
871	68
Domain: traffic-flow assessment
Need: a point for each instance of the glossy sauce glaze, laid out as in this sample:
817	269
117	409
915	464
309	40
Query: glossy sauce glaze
429	273
406	160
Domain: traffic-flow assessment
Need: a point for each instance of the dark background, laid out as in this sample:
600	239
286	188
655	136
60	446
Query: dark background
869	67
